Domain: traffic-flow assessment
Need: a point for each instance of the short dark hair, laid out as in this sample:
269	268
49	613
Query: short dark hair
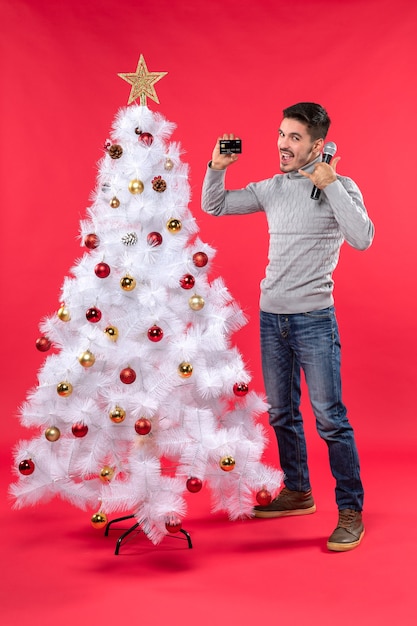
313	115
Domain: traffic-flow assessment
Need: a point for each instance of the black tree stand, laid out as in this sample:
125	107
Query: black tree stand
132	528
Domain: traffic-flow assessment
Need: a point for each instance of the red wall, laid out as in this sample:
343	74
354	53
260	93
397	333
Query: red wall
232	67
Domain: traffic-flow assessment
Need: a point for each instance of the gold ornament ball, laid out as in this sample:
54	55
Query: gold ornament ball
112	333
64	389
174	225
136	186
52	433
87	359
114	202
185	369
196	303
227	463
117	415
128	283
63	313
98	520
168	164
106	474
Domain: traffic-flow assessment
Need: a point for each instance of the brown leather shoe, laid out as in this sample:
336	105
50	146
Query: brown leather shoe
349	531
287	503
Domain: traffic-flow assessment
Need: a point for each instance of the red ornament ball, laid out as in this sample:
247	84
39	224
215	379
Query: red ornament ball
155	334
154	239
43	344
240	389
194	484
143	426
26	467
93	315
102	270
146	139
128	376
79	430
173	525
200	259
263	497
91	241
187	281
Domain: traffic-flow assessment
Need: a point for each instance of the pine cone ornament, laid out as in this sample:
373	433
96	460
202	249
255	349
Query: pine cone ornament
115	151
130	239
159	184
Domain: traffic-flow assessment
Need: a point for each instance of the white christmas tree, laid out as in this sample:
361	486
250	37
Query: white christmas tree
143	397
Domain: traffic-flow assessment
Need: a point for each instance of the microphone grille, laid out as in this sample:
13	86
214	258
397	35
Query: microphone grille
330	148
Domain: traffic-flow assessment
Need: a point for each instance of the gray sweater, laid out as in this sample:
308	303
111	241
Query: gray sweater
305	235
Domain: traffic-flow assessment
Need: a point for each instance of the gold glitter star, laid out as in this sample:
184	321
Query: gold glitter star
142	83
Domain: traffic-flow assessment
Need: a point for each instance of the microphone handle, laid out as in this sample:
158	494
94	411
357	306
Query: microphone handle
315	194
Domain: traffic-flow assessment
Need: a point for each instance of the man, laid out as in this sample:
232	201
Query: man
297	320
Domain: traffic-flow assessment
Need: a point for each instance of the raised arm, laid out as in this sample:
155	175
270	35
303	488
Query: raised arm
215	199
347	204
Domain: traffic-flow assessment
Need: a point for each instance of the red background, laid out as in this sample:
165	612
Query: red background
232	67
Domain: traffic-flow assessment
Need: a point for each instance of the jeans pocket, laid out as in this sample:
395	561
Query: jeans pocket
321	313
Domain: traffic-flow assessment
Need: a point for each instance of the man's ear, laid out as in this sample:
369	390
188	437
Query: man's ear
318	146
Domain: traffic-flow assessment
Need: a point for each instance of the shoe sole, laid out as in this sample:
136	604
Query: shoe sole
269	514
344	547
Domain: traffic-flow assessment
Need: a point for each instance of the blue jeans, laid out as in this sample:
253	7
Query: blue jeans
309	341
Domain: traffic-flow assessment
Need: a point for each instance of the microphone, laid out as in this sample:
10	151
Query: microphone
329	151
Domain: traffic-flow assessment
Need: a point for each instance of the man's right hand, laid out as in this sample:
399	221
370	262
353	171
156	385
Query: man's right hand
222	161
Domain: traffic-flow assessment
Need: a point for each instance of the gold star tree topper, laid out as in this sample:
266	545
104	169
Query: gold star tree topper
142	82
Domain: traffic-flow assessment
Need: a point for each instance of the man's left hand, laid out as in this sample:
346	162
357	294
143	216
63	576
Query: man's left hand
323	173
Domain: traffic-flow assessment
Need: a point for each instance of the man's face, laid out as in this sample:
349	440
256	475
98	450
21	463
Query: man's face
295	146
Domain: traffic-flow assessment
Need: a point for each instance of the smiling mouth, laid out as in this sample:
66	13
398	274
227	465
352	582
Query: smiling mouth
286	156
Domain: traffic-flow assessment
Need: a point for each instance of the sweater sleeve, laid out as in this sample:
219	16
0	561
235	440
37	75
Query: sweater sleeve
350	213
216	200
